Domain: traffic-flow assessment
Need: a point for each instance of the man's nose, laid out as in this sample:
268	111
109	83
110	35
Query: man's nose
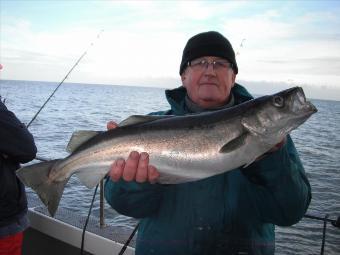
209	69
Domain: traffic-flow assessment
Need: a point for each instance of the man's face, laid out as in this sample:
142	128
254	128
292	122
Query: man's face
208	86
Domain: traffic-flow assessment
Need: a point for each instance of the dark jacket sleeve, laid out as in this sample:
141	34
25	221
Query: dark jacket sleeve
16	142
279	190
133	199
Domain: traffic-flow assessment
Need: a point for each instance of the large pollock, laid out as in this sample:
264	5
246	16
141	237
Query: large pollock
182	148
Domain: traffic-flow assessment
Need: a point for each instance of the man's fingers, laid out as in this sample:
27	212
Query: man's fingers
131	165
153	174
135	168
111	125
142	170
117	168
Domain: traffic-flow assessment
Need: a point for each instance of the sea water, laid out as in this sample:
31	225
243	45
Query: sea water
90	107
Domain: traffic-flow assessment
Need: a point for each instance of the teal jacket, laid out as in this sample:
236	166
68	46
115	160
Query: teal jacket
231	213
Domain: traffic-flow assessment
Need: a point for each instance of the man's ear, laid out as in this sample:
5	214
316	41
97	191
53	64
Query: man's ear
183	77
233	78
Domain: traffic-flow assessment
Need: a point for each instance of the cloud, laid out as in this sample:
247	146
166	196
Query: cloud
143	40
275	49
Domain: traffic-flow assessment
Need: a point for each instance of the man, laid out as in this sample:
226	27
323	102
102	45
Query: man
16	146
231	213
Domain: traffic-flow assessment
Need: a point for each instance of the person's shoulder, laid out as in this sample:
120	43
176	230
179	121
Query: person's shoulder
2	105
241	93
6	115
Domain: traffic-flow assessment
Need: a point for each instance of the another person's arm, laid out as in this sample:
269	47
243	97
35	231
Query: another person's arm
16	142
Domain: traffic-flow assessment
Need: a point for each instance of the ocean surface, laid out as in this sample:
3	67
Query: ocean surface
90	107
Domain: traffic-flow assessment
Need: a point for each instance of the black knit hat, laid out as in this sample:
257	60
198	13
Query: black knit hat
208	44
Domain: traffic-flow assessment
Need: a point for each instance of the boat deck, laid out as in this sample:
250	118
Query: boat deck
67	227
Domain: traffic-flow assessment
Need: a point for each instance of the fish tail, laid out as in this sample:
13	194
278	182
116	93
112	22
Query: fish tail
36	177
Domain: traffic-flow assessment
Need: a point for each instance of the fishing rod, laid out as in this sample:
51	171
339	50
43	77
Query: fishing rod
240	46
66	76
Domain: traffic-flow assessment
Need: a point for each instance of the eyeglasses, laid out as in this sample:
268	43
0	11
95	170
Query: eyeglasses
201	64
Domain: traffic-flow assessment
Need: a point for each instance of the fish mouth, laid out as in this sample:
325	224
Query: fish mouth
302	100
312	107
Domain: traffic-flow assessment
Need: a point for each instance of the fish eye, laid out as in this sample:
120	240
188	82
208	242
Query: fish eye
278	101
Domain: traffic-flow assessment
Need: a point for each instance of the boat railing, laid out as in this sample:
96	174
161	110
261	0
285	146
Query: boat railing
325	219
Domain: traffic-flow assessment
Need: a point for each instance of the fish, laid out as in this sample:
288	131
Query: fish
183	148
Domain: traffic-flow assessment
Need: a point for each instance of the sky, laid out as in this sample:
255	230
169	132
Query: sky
279	44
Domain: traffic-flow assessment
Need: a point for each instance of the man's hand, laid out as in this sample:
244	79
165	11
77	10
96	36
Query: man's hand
135	168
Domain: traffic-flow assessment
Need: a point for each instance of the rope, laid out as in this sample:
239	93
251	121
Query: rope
87	221
129	240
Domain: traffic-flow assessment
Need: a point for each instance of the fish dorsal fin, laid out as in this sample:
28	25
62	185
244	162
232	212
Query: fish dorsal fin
234	144
138	119
79	137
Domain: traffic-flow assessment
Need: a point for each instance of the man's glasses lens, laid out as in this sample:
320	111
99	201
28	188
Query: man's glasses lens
201	64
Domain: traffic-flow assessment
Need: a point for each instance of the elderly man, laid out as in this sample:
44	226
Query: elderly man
231	213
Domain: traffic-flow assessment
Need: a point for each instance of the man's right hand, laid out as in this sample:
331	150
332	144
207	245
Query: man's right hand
135	168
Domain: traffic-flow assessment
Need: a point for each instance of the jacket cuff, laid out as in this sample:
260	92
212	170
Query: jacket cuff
270	169
133	199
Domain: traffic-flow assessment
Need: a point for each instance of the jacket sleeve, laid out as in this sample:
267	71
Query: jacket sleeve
279	189
16	142
133	199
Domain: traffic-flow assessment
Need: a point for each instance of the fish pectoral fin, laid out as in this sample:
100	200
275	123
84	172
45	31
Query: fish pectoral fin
91	177
79	137
139	119
234	144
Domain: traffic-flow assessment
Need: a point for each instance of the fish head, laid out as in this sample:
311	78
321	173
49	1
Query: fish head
276	115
